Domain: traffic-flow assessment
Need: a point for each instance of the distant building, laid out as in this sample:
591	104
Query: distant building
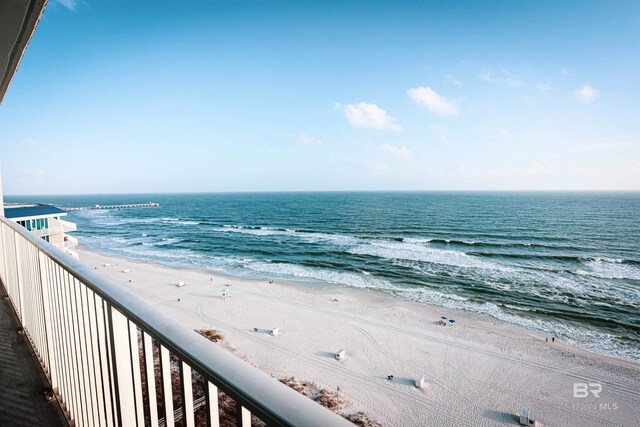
45	221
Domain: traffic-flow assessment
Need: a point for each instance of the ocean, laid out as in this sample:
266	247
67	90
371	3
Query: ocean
563	264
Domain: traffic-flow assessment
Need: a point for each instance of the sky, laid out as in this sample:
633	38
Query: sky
208	96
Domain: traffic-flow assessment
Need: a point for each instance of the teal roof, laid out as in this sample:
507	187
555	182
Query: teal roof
28	211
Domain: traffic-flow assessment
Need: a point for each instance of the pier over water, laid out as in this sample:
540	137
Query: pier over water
126	206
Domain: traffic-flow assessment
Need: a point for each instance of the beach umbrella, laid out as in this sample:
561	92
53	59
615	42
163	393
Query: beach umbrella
443	318
452	321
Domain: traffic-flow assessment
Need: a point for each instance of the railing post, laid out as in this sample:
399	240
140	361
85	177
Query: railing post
48	321
3	255
135	372
213	416
243	416
150	375
187	395
167	394
122	369
19	281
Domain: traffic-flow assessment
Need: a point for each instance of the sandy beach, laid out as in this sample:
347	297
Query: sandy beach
476	372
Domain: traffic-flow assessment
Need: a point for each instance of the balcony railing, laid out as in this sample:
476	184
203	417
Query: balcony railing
48	231
68	226
114	360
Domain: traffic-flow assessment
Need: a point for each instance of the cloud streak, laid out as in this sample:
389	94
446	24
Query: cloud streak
586	94
435	103
452	80
402	153
308	139
69	4
368	116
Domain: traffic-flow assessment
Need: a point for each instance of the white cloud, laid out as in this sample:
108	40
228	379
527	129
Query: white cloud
586	94
435	103
486	76
543	88
504	78
367	115
69	4
399	152
308	139
452	80
564	71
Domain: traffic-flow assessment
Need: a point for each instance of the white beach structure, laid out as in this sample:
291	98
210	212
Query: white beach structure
226	293
528	418
341	354
420	382
45	221
274	331
181	284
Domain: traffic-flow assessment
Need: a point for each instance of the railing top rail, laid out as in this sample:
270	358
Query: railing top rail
267	398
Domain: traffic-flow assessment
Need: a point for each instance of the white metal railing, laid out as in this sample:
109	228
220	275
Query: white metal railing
114	360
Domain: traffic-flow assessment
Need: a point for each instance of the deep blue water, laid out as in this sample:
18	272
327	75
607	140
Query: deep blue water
566	264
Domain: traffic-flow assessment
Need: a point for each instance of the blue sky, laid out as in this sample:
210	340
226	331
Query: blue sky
191	96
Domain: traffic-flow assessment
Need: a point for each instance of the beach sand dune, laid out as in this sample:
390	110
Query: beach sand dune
476	373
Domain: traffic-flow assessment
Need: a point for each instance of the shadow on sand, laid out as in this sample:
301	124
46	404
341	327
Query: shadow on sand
503	417
400	380
326	354
260	331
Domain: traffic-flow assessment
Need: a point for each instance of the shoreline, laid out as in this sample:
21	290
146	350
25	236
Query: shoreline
464	365
470	318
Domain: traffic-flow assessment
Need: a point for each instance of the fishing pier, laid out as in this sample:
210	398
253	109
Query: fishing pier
124	206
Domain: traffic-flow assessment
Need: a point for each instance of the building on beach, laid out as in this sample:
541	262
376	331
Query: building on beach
45	221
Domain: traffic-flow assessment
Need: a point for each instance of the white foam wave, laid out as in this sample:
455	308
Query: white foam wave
414	252
324	275
416	240
179	221
308	237
251	231
167	241
606	268
111	221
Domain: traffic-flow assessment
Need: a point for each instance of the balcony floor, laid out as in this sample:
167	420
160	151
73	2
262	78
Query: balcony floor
22	402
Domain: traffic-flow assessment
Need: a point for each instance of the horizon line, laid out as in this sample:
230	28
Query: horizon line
334	191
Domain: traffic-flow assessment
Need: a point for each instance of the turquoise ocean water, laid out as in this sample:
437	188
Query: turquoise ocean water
566	264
